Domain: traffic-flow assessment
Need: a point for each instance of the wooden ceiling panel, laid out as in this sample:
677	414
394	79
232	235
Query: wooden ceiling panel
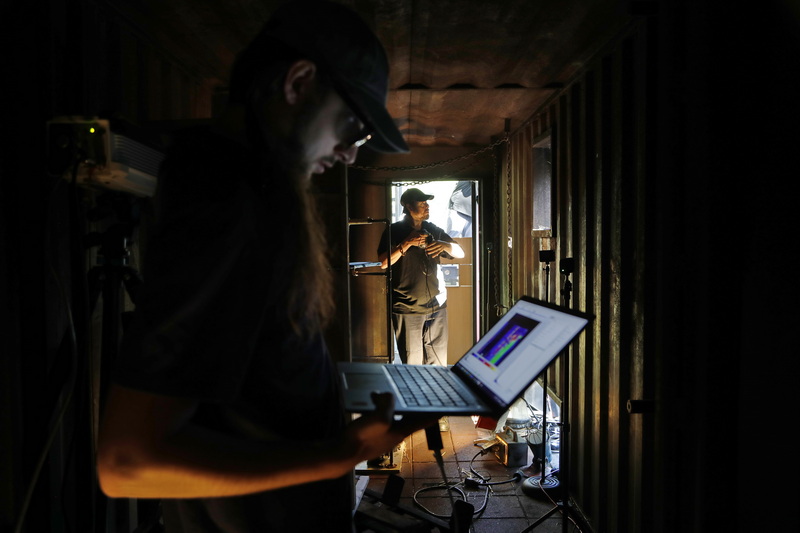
437	117
487	44
435	47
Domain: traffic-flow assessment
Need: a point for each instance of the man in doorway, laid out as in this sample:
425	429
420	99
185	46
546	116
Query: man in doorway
225	402
419	296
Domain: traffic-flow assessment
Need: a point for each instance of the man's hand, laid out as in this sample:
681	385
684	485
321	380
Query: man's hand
417	238
376	433
436	248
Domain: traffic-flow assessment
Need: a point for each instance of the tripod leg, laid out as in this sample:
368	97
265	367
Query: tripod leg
541	519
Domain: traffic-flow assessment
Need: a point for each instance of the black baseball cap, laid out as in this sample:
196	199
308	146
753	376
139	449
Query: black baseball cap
338	40
414	195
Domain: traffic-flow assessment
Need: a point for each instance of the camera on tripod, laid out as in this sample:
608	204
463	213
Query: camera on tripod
547	256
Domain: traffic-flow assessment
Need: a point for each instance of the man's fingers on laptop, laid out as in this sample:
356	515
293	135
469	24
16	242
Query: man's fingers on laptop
384	406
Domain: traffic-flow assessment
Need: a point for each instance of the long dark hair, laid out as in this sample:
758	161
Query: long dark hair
302	280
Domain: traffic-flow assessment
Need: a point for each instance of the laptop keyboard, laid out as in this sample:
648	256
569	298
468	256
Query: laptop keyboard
426	386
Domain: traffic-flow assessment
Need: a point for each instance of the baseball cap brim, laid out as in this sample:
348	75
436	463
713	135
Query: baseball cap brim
387	137
414	195
336	37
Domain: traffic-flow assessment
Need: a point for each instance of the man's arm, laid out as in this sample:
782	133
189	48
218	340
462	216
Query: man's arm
415	238
443	244
148	448
396	253
436	248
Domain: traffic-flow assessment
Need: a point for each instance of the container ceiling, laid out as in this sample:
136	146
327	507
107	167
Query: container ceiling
460	70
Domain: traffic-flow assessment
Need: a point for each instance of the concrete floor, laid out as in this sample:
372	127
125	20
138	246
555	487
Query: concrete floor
510	507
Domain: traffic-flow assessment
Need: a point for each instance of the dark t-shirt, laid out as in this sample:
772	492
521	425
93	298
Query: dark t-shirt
415	280
207	327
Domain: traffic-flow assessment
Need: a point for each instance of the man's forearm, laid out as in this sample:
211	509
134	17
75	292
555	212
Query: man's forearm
455	250
397	252
149	448
197	463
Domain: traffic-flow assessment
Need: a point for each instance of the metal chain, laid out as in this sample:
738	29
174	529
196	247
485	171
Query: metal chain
498	307
444	177
437	163
508	216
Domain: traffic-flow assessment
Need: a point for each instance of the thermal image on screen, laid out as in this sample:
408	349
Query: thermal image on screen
498	349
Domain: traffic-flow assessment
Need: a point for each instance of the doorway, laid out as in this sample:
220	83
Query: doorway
453	209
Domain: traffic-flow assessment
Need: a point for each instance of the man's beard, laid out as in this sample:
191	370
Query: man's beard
288	153
284	157
302	271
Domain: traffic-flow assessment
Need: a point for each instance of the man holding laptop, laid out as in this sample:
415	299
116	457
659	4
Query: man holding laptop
225	357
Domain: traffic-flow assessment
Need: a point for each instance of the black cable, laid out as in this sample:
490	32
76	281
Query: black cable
68	389
449	488
472	469
469	482
485	480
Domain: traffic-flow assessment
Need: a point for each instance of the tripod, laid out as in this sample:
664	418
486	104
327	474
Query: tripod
112	274
106	282
544	481
563	504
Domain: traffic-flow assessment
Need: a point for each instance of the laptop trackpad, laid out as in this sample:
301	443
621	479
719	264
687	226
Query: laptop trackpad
360	386
372	382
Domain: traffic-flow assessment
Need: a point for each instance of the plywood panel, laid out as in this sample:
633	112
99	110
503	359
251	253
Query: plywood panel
460	305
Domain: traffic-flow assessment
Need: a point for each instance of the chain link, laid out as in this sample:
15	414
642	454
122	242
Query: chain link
510	241
495	265
436	163
444	177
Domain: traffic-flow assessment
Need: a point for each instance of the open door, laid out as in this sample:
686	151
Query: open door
454	209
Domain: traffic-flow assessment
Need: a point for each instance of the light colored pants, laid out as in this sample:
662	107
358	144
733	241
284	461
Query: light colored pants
421	339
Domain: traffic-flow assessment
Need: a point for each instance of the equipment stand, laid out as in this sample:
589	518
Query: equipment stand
107	281
563	504
546	257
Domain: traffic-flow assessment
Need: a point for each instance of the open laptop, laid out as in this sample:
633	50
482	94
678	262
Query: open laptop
487	379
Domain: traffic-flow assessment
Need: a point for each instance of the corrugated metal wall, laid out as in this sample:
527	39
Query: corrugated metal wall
674	471
69	58
598	128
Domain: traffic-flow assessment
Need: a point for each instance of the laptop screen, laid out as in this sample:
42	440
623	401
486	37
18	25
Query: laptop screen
519	347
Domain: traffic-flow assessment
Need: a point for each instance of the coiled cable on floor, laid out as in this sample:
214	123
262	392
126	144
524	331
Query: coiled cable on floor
470	482
455	488
484	481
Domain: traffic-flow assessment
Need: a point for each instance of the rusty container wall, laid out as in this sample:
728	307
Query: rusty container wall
642	206
599	171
